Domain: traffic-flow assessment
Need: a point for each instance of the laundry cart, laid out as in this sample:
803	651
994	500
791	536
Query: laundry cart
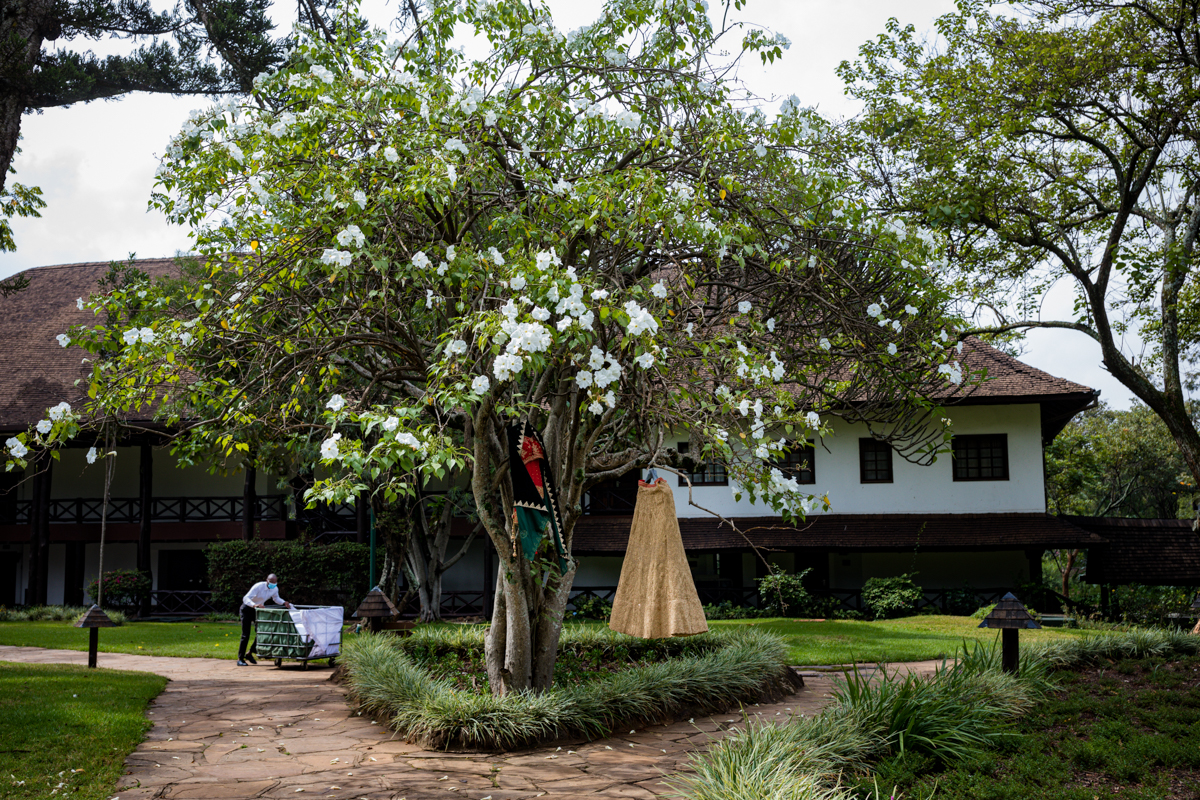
300	633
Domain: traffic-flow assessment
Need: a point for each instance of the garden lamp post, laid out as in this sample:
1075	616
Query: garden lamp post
1009	616
374	607
95	619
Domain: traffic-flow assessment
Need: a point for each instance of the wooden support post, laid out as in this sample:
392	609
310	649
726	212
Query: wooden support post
249	501
93	645
1010	650
146	512
489	578
39	536
73	590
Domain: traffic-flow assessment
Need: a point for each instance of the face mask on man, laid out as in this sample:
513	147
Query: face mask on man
272	585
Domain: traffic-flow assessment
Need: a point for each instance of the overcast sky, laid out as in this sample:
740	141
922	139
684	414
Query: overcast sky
95	163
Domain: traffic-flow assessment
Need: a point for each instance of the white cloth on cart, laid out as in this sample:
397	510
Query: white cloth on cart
323	626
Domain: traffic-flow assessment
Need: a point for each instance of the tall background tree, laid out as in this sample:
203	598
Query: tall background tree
1056	142
219	47
409	250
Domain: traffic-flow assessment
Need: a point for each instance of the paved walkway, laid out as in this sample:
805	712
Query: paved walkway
223	732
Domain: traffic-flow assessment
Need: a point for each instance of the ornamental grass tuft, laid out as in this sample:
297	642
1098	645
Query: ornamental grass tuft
713	673
963	708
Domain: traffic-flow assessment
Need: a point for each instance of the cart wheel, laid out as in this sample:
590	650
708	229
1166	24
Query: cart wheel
279	662
333	661
304	664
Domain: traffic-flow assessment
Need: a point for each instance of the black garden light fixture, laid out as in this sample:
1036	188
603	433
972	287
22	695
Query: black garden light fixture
374	607
95	619
1009	616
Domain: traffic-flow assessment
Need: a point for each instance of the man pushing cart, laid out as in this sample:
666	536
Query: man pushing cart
259	595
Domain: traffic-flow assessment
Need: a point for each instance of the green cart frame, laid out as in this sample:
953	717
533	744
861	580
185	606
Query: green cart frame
276	637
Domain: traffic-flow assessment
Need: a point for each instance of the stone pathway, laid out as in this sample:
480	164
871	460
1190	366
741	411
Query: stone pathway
223	732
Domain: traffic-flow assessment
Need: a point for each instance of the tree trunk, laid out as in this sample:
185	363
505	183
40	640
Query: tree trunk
21	35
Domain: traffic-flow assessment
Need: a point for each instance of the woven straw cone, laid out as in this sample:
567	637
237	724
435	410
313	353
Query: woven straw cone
656	597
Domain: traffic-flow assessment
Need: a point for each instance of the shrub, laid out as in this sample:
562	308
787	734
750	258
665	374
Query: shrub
588	606
983	611
784	595
329	574
961	602
888	598
744	665
123	588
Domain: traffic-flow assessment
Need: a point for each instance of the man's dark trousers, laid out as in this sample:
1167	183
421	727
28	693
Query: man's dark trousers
247	614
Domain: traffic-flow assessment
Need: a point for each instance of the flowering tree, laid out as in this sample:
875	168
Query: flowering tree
596	232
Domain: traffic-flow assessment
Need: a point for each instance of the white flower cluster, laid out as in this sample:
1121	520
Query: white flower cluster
456	347
322	73
336	403
545	259
16	447
135	335
471	100
340	258
562	186
455	143
616	57
63	340
682	191
628	119
420	260
59	411
92	455
329	447
952	371
352	235
640	320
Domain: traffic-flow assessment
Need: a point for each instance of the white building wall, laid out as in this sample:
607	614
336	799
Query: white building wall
915	489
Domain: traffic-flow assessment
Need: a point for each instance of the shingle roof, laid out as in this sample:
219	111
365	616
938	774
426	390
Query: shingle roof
845	532
35	371
1007	377
1157	552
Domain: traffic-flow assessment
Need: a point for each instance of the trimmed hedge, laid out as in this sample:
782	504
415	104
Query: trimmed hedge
741	667
321	574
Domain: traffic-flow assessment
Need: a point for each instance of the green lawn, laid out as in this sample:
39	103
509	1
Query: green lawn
908	639
66	730
185	639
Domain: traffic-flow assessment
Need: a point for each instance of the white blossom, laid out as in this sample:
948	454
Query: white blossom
341	258
952	371
63	340
518	283
92	455
351	235
420	260
79	303
744	307
456	347
391	423
690	329
596	408
15	447
59	411
597	358
454	143
910	309
235	152
640	320
658	290
336	403
759	150
600	294
321	72
545	259
406	438
360	197
506	365
562	186
44	426
629	119
610	399
874	310
896	325
583	378
452	174
489	118
185	338
616	57
771	324
540	314
943	336
390	154
497	258
480	384
329	447
645	360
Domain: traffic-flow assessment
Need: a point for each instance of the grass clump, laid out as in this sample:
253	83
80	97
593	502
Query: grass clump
950	730
67	730
722	670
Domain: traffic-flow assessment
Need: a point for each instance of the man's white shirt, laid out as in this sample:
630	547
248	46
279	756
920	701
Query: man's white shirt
260	593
